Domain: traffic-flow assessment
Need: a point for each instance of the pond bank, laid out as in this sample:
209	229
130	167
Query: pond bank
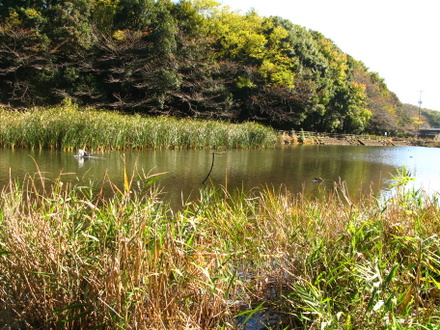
352	139
67	127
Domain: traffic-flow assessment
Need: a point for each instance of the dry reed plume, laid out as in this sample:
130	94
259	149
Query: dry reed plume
69	259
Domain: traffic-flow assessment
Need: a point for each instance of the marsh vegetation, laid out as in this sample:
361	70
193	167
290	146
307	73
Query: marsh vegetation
70	259
67	127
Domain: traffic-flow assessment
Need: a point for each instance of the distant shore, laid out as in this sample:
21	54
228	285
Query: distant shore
352	139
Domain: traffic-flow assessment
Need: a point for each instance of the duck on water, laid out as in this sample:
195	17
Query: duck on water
82	154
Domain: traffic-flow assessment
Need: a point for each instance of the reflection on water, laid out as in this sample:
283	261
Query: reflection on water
362	168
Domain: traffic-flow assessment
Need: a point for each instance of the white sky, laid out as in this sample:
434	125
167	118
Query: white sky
398	39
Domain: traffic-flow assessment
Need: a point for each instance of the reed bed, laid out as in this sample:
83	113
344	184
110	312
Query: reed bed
68	127
72	260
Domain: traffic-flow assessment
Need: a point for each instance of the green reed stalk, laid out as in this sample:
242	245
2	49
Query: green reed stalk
68	127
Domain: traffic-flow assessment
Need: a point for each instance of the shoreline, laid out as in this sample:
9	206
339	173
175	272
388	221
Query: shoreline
351	139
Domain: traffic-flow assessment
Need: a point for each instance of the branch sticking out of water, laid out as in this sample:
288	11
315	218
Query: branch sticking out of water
210	170
212	164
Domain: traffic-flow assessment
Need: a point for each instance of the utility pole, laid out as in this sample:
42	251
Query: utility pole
420	104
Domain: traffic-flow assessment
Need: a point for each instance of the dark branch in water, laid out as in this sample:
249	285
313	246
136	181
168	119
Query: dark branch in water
210	170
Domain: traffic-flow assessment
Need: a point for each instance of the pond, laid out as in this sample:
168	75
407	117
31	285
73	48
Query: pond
363	168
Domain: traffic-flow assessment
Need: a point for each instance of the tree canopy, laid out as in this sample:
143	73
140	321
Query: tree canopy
190	58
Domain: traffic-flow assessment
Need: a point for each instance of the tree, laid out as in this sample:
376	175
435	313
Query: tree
383	104
190	58
133	14
103	15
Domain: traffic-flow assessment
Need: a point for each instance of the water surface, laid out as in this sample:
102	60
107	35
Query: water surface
361	167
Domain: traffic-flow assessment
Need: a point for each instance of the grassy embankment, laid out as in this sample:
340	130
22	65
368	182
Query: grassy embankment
68	128
69	260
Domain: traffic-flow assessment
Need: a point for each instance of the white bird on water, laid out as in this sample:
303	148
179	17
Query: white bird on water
83	154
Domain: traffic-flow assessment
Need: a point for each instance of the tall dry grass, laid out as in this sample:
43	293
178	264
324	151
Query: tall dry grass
69	259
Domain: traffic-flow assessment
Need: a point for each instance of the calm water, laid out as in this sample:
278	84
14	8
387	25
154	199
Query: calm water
362	168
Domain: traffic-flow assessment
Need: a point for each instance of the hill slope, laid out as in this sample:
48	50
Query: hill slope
188	59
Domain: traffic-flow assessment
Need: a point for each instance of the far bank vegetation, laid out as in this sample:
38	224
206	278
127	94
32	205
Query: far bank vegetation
189	59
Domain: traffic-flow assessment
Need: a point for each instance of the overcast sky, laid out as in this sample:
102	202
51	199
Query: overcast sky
399	39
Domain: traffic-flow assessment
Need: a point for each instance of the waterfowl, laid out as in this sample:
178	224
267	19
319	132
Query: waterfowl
318	179
83	154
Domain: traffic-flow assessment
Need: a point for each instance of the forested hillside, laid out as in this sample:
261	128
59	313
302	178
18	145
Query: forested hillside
190	58
421	117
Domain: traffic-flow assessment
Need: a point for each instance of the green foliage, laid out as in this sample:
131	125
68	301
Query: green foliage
164	29
68	127
401	179
103	15
132	14
70	26
432	116
190	58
